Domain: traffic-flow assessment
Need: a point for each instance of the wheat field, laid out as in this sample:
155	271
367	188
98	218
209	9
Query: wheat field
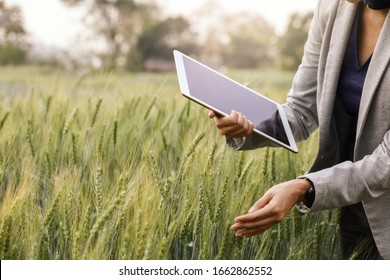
97	165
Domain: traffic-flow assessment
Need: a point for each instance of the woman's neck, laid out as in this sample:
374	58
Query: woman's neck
371	24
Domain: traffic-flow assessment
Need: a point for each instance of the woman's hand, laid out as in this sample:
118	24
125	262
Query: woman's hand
236	125
271	208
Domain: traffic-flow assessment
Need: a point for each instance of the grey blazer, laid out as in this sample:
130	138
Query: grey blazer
312	103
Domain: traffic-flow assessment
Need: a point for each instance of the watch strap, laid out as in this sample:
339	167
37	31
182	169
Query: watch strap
310	194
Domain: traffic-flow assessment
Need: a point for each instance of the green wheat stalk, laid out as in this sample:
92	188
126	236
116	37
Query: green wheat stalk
265	162
101	143
187	229
115	132
98	189
29	132
74	149
69	121
149	109
238	168
273	167
53	208
103	218
48	103
316	245
96	112
218	214
5	237
3	120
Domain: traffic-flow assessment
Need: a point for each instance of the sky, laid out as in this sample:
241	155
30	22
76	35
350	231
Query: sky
52	24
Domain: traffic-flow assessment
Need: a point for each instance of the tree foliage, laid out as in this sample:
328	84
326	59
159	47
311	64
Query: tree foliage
126	34
163	36
249	41
117	25
291	43
133	32
13	42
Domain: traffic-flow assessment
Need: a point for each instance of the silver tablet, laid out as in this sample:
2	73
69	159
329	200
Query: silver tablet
221	94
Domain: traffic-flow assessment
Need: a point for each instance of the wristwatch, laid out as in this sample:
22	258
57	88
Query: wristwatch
309	195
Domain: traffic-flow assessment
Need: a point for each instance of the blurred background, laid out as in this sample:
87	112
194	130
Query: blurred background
139	35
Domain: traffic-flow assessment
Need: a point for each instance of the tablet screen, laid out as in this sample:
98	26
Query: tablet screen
222	94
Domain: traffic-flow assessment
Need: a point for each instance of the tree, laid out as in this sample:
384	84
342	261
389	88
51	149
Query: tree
13	44
249	42
291	44
118	24
162	37
207	20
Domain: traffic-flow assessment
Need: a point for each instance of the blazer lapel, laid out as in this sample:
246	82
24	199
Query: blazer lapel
379	63
338	43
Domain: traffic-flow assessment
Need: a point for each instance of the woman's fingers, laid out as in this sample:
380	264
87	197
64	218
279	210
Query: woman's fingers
254	224
252	232
227	121
244	131
235	125
212	114
263	217
271	208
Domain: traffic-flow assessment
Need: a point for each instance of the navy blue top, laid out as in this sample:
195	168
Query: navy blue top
351	83
353	220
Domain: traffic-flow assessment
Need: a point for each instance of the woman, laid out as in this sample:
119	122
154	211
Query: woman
342	87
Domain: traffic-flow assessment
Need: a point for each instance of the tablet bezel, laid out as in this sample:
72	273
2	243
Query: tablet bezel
184	88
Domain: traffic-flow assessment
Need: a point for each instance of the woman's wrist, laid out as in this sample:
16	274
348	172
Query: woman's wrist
303	186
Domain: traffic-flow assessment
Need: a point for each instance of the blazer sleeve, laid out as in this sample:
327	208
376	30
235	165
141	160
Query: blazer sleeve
300	106
352	182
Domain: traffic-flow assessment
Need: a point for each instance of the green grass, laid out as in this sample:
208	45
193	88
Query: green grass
120	166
